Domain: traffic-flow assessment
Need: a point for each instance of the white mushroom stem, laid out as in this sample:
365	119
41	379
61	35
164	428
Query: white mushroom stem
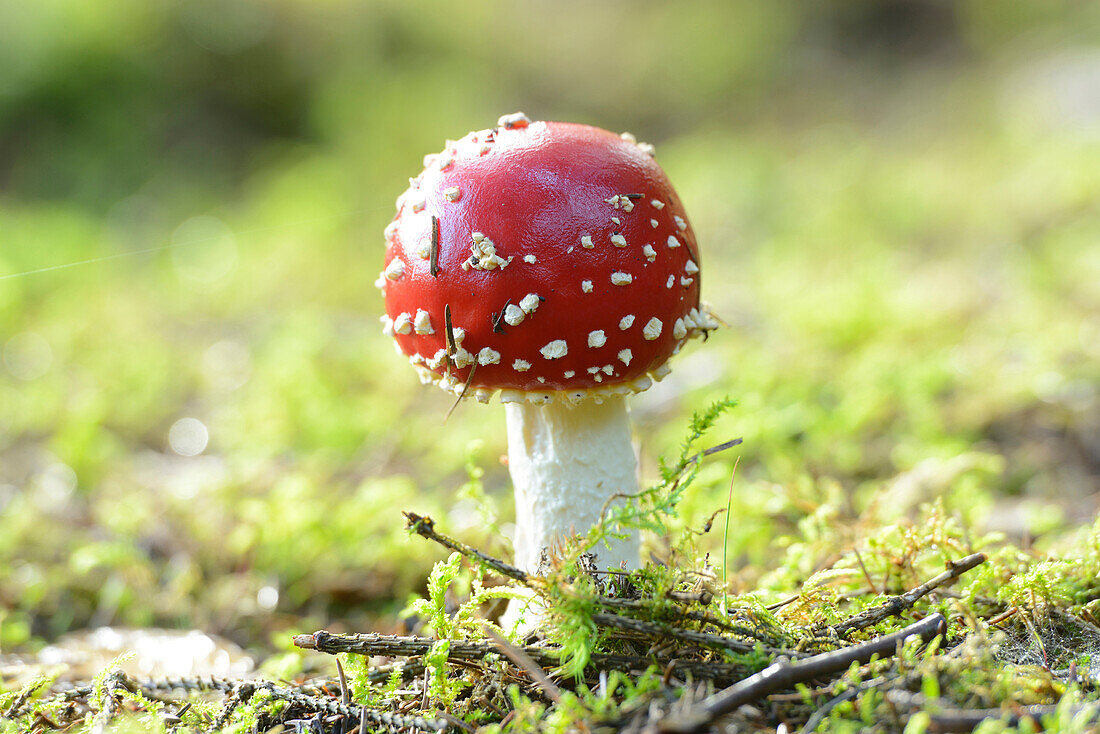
566	461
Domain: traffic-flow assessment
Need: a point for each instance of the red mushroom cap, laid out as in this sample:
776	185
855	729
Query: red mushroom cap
561	254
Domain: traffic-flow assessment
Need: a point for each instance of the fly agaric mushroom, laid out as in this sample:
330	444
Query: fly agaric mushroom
553	262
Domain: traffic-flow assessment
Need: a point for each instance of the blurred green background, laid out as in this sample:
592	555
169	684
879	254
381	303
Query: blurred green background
201	424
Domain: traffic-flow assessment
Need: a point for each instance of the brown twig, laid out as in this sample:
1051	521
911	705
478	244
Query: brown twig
424	526
647	607
706	639
433	253
449	331
463	650
944	717
465	388
345	696
897	604
1003	615
308	697
116	682
870	581
24	696
783	603
524	661
783	675
714	450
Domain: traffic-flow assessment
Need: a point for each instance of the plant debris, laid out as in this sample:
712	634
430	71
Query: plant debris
999	638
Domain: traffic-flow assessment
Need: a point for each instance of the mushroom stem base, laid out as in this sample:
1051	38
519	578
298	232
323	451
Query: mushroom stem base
566	461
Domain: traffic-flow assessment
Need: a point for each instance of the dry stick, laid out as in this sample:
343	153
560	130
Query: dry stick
296	695
241	694
783	603
782	675
824	710
433	253
699	638
520	658
461	395
452	348
460	650
647	607
345	697
870	582
333	706
21	700
405	646
897	604
714	450
424	526
946	718
1003	616
116	682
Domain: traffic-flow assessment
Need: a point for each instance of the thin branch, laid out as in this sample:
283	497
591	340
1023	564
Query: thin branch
706	639
783	603
1003	616
345	697
461	395
946	718
870	581
467	650
424	526
238	692
452	348
897	604
433	253
821	712
782	675
524	661
647	607
714	450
